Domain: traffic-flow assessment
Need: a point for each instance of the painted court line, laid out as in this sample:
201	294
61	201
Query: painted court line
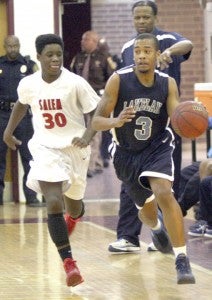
196	267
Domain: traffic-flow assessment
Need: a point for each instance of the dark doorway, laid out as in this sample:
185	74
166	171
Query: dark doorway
76	19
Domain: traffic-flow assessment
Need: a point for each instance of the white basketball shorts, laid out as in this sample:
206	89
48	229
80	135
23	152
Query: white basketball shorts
68	165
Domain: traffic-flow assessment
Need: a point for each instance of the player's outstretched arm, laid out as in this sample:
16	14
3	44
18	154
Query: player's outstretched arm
179	48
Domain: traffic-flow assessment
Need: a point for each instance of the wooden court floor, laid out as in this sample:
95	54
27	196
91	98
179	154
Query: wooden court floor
30	267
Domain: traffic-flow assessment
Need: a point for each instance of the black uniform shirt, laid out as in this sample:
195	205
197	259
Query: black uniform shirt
11	72
150	106
101	67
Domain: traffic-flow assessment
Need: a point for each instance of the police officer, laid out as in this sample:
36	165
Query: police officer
13	67
96	66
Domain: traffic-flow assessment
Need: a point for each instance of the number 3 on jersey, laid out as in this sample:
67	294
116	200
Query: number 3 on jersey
146	127
57	119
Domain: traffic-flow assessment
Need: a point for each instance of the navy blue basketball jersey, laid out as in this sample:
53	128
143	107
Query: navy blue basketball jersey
150	105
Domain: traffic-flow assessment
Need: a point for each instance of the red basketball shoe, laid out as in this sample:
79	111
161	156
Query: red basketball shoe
71	223
73	276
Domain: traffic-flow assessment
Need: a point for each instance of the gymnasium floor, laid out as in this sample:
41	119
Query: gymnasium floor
30	267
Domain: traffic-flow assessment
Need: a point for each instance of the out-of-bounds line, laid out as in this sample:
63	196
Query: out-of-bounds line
101	200
197	267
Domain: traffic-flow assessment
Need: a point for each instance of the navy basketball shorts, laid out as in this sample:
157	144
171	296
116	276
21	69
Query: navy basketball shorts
134	168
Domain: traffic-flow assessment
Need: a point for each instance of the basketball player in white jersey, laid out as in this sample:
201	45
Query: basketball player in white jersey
60	145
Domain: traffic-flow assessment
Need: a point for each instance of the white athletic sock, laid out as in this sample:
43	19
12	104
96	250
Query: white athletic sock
179	250
158	226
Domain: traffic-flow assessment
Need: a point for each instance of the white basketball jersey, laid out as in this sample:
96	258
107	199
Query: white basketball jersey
57	107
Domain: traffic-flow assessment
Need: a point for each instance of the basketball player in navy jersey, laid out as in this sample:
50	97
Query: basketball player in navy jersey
141	100
175	49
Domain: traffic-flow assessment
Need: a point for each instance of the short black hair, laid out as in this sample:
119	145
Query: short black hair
149	36
150	3
46	39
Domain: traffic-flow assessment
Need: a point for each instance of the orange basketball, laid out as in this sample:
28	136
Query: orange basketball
190	119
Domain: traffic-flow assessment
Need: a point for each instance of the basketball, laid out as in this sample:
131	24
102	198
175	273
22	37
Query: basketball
190	119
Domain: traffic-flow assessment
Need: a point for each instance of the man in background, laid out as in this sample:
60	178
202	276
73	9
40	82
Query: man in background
14	67
197	188
94	65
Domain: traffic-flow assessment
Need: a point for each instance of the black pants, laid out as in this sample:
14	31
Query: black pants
106	141
24	132
206	199
189	187
129	225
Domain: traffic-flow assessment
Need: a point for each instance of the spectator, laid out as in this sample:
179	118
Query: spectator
106	135
95	66
203	227
14	67
189	187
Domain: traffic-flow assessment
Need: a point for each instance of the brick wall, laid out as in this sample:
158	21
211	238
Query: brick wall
186	17
113	20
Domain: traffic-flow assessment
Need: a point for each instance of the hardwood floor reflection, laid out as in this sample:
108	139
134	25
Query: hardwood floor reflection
31	268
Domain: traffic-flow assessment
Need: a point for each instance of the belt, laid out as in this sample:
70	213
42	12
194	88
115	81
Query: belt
6	106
